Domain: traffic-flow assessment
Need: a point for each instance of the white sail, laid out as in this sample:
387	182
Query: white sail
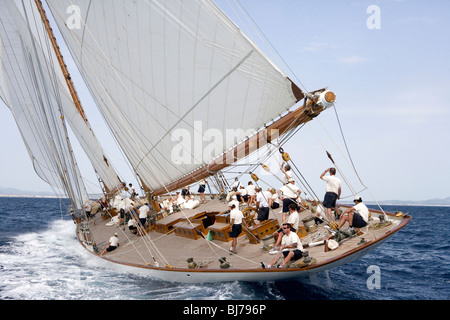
30	94
162	71
79	126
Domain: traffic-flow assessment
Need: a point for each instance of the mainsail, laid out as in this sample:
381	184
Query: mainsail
165	73
29	62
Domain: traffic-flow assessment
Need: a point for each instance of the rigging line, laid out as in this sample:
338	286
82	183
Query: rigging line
204	96
351	161
346	146
153	147
30	94
129	241
49	63
47	99
190	222
156	163
104	172
54	82
252	24
272	46
336	145
134	100
299	204
129	93
310	189
147	241
307	187
343	176
146	238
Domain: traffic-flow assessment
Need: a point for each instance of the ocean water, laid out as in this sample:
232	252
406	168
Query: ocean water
41	259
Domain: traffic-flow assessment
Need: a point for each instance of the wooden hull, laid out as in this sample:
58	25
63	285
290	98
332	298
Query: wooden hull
257	274
254	275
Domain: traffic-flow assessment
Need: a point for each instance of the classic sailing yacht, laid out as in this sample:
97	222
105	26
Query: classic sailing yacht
168	77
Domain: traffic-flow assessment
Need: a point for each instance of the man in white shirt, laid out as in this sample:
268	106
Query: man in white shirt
320	214
179	200
262	204
234	188
289	193
291	247
274	202
113	244
126	212
333	191
287	173
143	212
132	225
251	192
242	195
357	216
236	185
236	220
293	219
167	205
234	201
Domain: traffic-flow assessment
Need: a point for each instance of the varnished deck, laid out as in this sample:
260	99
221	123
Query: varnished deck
140	251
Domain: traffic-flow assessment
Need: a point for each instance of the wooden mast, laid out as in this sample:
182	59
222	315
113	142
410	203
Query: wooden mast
293	119
66	73
60	58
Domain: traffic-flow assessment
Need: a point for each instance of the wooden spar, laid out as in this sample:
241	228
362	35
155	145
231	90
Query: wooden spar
60	58
290	121
68	78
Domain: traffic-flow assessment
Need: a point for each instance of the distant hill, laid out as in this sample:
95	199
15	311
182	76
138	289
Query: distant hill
17	192
431	202
12	192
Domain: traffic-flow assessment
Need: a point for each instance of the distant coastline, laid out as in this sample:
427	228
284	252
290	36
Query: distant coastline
29	196
15	193
406	204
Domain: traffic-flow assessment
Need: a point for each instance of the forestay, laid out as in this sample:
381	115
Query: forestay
166	71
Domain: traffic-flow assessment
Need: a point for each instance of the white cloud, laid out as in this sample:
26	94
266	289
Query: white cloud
353	60
318	46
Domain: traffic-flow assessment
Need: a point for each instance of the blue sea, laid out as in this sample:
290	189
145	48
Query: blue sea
41	259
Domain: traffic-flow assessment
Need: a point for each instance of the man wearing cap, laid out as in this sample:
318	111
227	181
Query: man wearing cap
357	216
333	192
113	244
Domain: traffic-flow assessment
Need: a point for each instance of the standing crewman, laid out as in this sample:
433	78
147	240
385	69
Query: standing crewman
333	191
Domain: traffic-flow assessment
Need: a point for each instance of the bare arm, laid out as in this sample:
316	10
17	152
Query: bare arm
324	173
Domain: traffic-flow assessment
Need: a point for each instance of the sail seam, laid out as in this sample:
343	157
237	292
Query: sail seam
199	101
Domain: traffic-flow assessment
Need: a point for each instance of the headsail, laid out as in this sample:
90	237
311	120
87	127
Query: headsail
168	71
35	36
29	90
78	120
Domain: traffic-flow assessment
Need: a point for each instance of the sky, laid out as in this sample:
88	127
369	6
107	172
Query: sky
387	61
